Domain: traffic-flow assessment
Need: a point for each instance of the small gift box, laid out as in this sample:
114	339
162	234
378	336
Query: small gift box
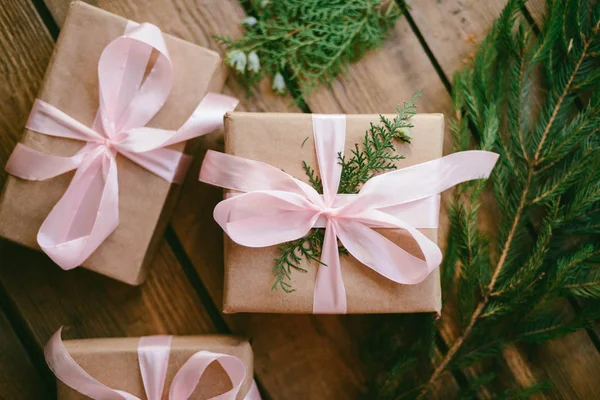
376	252
118	103
153	368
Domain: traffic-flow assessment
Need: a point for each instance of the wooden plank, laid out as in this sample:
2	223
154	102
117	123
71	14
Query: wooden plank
572	369
90	305
453	28
537	10
286	347
25	46
18	377
45	297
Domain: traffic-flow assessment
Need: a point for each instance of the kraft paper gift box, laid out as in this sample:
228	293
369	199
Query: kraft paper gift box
71	85
115	363
284	141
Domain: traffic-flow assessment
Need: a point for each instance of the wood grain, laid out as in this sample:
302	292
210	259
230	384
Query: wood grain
453	28
537	10
45	297
20	28
89	305
18	376
296	356
25	46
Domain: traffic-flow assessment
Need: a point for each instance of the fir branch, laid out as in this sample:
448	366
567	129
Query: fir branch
545	185
307	41
375	155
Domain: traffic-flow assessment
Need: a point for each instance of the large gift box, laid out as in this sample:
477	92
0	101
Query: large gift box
153	367
284	178
145	199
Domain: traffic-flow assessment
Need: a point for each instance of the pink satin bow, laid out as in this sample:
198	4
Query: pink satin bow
153	358
88	212
276	207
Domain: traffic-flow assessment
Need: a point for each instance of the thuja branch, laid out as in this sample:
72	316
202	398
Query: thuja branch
376	154
306	41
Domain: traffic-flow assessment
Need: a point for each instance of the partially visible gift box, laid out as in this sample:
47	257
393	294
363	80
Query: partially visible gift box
196	367
71	85
388	229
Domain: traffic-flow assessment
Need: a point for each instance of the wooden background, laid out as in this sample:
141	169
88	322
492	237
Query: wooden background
297	357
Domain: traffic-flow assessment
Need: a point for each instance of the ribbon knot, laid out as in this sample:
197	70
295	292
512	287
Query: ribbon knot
153	358
329	212
129	98
275	207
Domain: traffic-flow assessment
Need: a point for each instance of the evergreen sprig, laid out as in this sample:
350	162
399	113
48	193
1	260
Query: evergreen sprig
308	42
376	154
534	99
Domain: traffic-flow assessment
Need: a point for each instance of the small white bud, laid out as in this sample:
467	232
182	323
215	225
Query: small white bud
253	62
249	22
236	59
406	133
265	3
279	84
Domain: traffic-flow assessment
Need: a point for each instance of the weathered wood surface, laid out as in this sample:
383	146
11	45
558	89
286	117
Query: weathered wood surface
296	356
18	375
40	297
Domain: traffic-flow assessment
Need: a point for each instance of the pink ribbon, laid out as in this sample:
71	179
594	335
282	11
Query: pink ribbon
276	208
88	212
153	358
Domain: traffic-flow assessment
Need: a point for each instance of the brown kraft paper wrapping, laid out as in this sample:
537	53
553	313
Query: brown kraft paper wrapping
284	141
145	200
114	362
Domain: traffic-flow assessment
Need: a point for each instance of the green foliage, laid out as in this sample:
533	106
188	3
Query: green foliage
534	99
375	155
308	42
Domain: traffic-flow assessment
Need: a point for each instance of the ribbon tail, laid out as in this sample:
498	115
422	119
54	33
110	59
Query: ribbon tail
185	381
30	164
384	256
330	294
153	357
71	374
253	393
86	214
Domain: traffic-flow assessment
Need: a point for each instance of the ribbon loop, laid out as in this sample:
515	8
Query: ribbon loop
88	212
153	358
403	199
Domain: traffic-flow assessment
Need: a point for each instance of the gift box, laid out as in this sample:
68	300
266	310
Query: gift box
284	141
71	84
139	366
284	177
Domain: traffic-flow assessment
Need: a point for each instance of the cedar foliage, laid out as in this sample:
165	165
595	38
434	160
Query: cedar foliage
532	97
307	41
376	154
